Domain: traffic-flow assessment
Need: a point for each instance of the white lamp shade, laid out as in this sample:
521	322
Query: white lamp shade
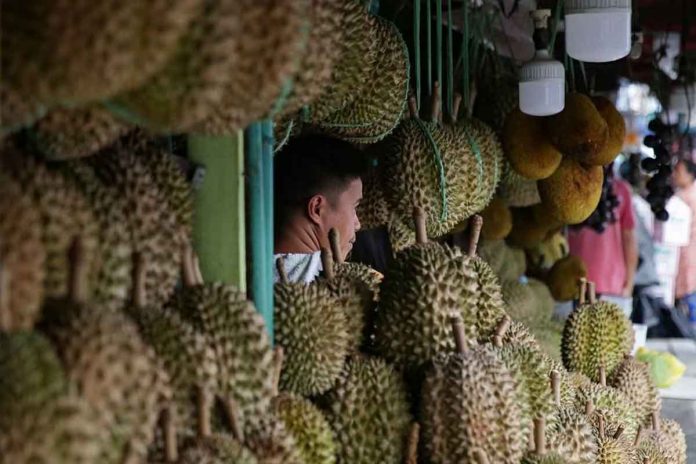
542	98
598	31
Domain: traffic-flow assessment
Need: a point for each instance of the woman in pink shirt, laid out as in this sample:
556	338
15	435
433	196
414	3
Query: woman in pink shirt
683	178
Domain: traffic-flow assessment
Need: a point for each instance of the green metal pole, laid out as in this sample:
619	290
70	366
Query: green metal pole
267	147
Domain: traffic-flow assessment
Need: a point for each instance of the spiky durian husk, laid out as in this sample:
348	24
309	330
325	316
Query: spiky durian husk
493	252
79	51
271	442
322	50
487	143
518	191
103	355
186	355
612	405
615	451
17	110
268	39
490	307
308	426
571	434
379	105
507	262
368	411
217	449
114	281
520	300
651	449
31	377
22	258
632	378
596	335
423	288
66	133
465	395
373	210
519	334
152	225
357	53
312	328
673	433
66	430
65	215
401	232
496	98
240	342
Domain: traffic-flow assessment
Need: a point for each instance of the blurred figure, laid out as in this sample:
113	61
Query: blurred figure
685	286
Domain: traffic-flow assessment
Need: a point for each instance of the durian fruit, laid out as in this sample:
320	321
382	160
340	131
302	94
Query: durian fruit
368	411
542	296
76	52
497	220
664	442
571	434
496	99
321	51
563	276
572	193
357	53
518	334
470	405
490	306
521	302
527	146
373	210
217	449
64	213
509	263
673	432
614	448
493	252
66	430
423	288
609	405
110	365
31	377
66	133
548	252
269	38
518	191
271	442
596	336
526	231
307	424
616	133
238	337
486	144
579	131
379	106
22	258
312	328
152	224
541	453
18	110
401	233
632	378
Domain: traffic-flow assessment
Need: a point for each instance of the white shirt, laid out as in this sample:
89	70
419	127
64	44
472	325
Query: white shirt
299	267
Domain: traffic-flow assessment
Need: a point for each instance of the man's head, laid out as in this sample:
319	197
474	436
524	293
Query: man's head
317	188
684	173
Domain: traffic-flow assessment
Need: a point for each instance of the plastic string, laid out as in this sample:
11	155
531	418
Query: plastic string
416	49
477	153
438	41
554	28
450	60
429	33
584	75
440	167
286	135
465	58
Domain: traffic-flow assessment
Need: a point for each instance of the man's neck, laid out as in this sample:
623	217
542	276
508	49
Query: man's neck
297	238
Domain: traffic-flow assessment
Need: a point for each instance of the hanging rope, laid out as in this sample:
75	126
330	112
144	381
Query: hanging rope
477	154
554	28
465	57
429	33
438	41
416	49
450	60
440	167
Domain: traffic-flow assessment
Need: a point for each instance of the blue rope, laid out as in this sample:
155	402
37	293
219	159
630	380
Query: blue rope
477	153
440	167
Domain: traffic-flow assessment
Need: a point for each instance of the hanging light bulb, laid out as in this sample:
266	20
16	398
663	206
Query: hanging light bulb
598	31
542	80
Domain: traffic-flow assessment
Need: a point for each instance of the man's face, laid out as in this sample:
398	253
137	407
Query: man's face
342	216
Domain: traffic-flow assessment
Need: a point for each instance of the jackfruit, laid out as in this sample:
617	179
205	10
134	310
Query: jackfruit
497	220
548	252
579	131
572	193
527	146
526	231
616	133
563	276
632	378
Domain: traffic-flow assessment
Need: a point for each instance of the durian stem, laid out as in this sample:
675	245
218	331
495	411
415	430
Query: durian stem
412	444
589	407
197	268
139	292
412	106
500	330
476	225
582	288
456	103
459	335
335	241
600	427
280	266
204	404
435	104
655	421
593	293
77	290
619	432
130	456
419	219
234	418
278	357
603	376
5	313
556	387
327	263
639	432
480	457
169	432
187	271
539	436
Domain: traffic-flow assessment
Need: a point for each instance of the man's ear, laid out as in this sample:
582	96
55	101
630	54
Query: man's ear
316	207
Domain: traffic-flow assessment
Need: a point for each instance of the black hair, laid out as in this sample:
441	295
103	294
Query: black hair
310	165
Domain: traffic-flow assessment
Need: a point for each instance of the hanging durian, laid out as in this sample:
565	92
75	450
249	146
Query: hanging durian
66	133
517	190
76	52
469	405
527	147
373	210
496	99
484	144
18	110
632	378
579	131
423	288
596	335
22	258
369	413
